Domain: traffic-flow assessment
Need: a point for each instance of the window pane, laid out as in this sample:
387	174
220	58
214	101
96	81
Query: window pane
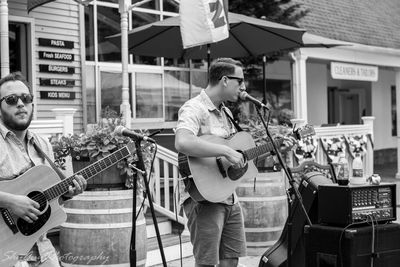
108	23
171	6
176	92
176	62
111	93
148	95
199	64
90	95
89	36
199	81
139	19
155	4
18	48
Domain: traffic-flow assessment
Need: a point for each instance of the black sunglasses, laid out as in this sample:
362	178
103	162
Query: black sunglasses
240	80
13	99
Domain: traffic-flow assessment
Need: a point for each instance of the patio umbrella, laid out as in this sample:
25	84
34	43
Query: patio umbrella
247	37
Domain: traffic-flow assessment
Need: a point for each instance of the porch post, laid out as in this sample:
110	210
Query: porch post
299	85
4	48
125	106
398	120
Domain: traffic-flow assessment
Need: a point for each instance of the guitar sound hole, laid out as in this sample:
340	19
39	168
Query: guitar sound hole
237	173
30	228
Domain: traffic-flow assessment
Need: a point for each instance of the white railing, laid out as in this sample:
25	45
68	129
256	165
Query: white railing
165	184
347	131
62	124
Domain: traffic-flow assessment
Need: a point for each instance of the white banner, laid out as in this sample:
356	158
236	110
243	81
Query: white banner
202	22
345	71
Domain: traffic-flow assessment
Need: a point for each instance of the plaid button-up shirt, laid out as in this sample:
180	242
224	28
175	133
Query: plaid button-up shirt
200	116
14	161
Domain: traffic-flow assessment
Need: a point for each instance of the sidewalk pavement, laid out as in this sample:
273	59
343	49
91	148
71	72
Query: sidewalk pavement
249	261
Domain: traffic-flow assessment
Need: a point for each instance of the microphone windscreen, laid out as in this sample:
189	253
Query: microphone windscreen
243	95
119	129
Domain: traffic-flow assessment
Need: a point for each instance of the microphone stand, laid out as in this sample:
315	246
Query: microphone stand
295	189
141	168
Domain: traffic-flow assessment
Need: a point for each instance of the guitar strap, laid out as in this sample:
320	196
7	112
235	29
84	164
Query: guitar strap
43	155
238	128
57	170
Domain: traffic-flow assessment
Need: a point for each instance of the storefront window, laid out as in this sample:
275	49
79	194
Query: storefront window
18	47
89	35
176	84
90	94
111	93
154	5
108	23
149	96
199	82
139	19
171	6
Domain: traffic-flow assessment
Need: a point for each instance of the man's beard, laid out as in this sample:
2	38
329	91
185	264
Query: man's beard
17	126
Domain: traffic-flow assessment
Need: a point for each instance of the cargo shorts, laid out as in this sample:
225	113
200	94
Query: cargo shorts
216	231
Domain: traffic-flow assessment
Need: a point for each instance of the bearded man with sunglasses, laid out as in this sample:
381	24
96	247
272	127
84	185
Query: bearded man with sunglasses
19	155
216	229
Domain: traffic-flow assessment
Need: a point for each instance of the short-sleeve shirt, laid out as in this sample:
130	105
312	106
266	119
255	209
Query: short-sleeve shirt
15	160
200	116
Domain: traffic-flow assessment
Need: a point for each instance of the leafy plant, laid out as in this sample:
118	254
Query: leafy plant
278	127
99	142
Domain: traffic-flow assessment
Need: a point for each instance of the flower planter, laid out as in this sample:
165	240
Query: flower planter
98	230
109	179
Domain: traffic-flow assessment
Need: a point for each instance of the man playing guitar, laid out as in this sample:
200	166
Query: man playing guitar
216	229
19	155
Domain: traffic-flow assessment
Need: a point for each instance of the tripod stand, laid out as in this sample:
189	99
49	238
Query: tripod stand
293	187
141	168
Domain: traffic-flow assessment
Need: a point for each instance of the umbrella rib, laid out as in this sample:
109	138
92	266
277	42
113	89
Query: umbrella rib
241	44
151	37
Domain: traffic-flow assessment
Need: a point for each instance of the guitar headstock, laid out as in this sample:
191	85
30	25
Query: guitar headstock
304	132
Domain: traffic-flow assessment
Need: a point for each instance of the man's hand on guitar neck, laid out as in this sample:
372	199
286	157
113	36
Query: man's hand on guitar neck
79	186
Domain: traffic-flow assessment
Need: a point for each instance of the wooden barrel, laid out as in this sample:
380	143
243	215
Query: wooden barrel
98	230
264	209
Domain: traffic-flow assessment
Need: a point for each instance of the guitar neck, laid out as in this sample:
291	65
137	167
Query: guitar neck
257	151
90	171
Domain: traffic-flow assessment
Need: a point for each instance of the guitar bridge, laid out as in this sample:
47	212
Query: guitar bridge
9	220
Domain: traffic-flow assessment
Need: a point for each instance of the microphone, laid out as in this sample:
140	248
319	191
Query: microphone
246	97
121	130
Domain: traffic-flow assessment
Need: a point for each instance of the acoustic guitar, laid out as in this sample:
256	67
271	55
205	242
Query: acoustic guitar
42	184
214	179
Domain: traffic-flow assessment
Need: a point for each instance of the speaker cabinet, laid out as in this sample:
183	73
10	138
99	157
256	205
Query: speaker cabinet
328	246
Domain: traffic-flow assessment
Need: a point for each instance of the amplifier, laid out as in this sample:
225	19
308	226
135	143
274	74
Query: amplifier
344	205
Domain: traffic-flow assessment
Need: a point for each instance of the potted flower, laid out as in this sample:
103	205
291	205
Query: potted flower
279	127
97	143
106	205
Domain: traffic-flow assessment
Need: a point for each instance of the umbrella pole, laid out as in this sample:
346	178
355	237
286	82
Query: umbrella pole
264	68
208	60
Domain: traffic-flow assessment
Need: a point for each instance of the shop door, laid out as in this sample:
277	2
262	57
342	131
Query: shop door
346	106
